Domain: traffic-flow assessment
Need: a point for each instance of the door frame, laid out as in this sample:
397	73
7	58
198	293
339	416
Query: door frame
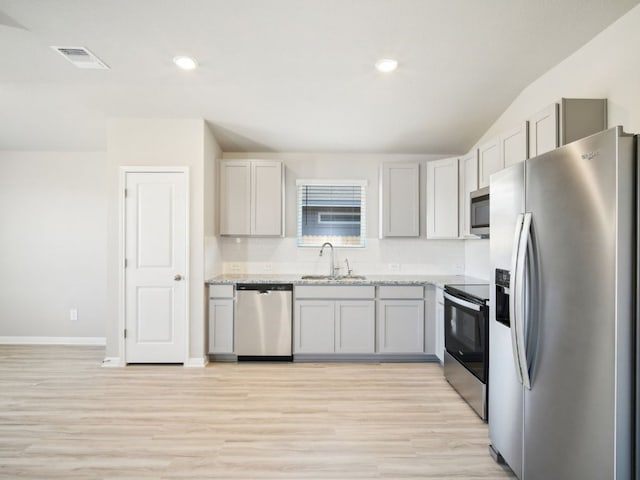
122	182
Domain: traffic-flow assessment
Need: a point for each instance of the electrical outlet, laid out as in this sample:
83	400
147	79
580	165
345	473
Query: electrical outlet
394	267
73	314
234	267
267	268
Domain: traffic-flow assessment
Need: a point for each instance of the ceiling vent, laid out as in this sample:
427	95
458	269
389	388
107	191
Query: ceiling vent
81	57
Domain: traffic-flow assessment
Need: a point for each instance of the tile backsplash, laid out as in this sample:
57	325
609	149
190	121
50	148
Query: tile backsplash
387	256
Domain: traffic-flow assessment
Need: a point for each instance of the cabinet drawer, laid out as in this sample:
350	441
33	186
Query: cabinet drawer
404	291
220	291
335	291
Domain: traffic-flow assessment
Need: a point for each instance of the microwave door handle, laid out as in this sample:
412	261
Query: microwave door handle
523	251
513	304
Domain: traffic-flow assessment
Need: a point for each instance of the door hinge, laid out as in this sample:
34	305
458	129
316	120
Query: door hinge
125	193
125	263
125	333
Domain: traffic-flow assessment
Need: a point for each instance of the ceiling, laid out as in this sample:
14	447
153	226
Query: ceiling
284	75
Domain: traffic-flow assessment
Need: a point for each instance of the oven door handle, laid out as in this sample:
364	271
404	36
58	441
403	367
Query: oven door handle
461	302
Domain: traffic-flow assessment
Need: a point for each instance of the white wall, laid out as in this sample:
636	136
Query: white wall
161	142
53	209
476	259
606	67
410	255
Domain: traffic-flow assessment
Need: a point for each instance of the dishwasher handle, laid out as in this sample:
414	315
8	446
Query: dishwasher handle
265	288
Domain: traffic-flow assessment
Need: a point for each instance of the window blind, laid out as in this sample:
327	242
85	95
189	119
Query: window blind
333	213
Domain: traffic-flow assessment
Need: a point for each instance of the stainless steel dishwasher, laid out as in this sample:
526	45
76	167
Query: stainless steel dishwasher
263	321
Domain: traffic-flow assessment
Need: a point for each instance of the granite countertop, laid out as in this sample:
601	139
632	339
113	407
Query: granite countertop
296	279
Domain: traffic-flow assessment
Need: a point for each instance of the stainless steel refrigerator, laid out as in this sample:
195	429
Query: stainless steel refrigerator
561	332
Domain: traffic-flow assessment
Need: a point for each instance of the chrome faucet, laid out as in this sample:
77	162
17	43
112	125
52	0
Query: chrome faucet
333	269
349	271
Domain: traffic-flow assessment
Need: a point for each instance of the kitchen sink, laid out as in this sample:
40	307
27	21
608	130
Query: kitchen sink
351	277
329	277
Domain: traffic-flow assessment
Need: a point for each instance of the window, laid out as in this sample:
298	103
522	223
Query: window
331	211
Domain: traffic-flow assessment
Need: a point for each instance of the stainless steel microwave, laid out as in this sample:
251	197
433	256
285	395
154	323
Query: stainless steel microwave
479	212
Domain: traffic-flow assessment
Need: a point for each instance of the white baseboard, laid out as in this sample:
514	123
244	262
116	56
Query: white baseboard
197	362
102	341
112	362
194	362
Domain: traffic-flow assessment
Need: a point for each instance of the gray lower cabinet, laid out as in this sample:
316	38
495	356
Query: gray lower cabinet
220	319
439	347
314	326
360	320
334	319
401	326
346	321
401	319
334	326
355	326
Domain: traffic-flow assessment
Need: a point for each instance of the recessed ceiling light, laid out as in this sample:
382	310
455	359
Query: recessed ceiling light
386	65
185	63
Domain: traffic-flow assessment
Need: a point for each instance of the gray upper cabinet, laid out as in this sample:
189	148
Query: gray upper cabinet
400	200
514	145
442	198
570	120
251	197
543	131
235	197
489	161
468	183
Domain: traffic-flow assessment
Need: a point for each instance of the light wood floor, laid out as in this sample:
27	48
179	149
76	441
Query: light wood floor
63	416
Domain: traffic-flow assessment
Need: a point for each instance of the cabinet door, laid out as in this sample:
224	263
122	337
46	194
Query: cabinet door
543	131
468	184
581	117
489	161
429	319
401	326
442	198
355	326
514	145
221	325
266	199
400	186
314	326
440	331
235	197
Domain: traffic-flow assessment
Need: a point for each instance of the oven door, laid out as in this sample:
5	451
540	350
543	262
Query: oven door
465	334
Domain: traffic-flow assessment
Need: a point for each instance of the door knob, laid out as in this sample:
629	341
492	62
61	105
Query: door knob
177	278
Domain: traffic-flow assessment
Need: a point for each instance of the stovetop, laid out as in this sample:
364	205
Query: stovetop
478	292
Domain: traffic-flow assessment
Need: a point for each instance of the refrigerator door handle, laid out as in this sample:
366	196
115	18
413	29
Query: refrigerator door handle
523	250
513	306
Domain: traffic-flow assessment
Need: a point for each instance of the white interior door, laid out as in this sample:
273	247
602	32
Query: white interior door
155	267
